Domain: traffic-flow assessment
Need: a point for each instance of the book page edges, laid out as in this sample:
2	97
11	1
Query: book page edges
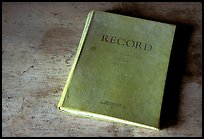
81	43
104	117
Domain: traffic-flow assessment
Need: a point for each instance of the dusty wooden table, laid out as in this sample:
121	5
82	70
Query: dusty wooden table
39	41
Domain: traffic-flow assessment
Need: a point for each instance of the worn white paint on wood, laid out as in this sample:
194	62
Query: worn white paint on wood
39	41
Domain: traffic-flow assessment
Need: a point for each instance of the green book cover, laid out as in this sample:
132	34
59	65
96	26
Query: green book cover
119	70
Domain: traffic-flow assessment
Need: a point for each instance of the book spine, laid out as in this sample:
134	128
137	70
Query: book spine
81	44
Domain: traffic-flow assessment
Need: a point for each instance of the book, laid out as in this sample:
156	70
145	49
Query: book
119	71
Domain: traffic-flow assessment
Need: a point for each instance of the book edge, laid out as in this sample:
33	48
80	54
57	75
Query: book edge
138	18
162	97
81	43
104	118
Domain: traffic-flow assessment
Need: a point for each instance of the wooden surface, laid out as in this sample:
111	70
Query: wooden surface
39	41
